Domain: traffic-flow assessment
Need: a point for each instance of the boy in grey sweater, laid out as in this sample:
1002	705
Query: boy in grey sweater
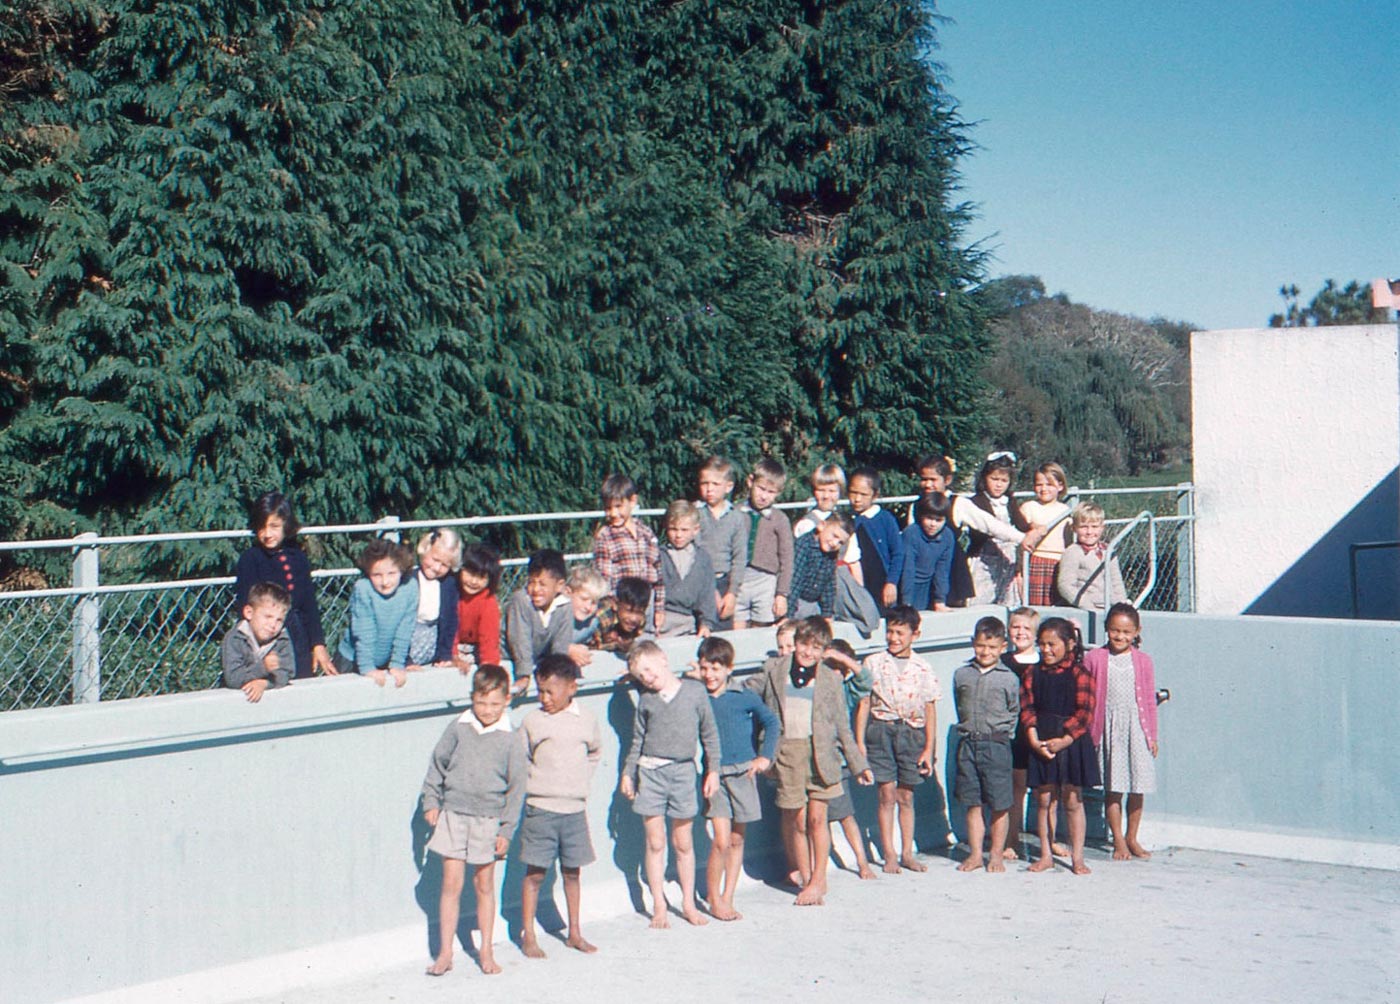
257	652
688	575
471	798
659	772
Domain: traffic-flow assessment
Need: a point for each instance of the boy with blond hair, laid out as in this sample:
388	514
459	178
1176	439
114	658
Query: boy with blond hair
767	579
471	800
658	776
896	726
688	574
1086	573
724	535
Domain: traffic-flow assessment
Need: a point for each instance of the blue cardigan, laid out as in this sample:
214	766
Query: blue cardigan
928	565
381	627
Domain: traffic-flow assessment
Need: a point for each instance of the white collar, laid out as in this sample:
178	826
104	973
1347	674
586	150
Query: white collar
871	511
501	724
548	611
572	709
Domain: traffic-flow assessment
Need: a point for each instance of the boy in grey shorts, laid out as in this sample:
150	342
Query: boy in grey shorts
471	799
896	726
988	698
735	805
763	593
563	746
659	772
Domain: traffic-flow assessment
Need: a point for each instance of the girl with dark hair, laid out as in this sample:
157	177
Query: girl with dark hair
276	557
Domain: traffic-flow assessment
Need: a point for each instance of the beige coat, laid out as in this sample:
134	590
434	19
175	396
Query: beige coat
831	726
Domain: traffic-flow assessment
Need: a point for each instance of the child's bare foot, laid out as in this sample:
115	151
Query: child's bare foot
1080	868
811	895
1059	850
1138	851
441	966
1041	865
996	864
694	917
577	943
723	911
488	962
530	948
971	863
891	865
867	873
1009	854
659	920
1121	852
913	863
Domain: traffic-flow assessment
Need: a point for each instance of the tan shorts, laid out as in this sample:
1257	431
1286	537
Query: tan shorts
465	838
796	771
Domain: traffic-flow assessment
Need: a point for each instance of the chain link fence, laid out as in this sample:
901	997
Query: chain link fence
93	641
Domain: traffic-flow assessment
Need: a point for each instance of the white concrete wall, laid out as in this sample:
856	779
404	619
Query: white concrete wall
1292	430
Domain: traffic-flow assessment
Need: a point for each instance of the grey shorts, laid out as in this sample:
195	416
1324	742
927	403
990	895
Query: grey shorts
893	750
667	791
546	837
754	600
465	838
841	807
984	773
737	798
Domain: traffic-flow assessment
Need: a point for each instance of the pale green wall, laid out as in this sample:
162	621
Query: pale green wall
150	837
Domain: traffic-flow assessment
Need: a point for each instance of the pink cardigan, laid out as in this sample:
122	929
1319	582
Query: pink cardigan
1144	684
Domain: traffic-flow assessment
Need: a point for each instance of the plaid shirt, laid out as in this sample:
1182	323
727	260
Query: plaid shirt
814	574
610	637
618	553
1076	724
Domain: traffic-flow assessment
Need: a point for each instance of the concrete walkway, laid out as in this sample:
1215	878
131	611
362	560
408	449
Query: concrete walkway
1187	926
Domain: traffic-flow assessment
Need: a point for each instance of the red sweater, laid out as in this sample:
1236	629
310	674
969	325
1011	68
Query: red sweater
479	624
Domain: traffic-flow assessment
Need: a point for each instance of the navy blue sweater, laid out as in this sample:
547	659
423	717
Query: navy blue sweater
289	568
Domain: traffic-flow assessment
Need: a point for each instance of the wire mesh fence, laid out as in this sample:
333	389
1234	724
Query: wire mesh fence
89	640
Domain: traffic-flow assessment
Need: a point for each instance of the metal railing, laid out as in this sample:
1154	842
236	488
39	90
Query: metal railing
90	641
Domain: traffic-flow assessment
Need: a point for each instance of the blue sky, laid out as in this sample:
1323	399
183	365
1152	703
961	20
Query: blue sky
1181	159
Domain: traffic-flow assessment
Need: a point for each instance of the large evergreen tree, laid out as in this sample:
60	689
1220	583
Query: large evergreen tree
436	257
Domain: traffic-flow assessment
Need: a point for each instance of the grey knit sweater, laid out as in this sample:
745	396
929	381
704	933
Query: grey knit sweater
670	728
477	774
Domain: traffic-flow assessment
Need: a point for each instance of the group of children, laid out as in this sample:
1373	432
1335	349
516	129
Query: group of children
722	566
1047	716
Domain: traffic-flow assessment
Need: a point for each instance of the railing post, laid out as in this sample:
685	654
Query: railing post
390	531
87	636
1186	549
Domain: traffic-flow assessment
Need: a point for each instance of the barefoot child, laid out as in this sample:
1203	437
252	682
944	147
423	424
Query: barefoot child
1124	726
471	798
257	652
896	727
563	746
1057	707
1024	655
736	804
659	772
841	810
806	695
987	695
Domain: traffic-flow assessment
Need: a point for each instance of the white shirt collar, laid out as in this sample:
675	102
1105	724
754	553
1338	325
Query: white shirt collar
548	611
572	709
501	724
872	511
